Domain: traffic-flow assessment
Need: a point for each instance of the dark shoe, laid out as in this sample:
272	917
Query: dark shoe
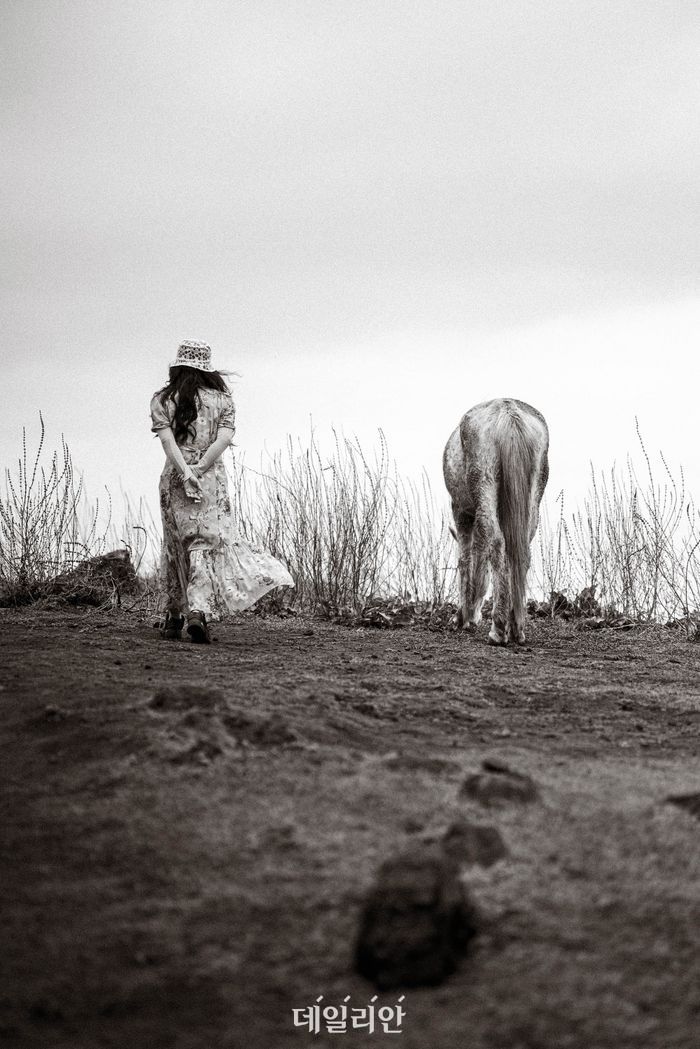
171	629
197	628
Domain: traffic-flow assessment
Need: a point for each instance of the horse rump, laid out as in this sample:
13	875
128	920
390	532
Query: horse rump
495	467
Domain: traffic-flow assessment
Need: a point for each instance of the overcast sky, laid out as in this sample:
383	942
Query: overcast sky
378	213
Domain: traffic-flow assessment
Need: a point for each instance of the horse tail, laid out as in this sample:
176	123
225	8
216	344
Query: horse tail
516	471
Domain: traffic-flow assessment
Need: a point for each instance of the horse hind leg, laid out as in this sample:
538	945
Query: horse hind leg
479	576
472	572
519	572
493	544
463	535
501	620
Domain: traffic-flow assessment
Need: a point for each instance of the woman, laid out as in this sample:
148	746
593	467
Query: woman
208	572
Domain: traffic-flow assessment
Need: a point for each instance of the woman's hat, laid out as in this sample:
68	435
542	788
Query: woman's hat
193	355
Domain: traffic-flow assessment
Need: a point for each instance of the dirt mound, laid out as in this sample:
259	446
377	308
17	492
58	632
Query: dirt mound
97	580
201	724
416	922
497	784
187	697
474	843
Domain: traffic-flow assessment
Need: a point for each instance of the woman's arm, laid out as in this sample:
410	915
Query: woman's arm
173	453
215	449
175	456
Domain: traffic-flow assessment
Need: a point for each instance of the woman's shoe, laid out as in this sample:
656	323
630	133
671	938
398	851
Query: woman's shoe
171	630
197	628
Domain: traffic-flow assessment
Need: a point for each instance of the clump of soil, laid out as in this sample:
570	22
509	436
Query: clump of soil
497	783
416	922
474	843
201	724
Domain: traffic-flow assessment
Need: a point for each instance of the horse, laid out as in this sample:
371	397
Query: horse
496	468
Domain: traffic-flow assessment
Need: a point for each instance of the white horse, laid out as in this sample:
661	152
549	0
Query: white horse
495	467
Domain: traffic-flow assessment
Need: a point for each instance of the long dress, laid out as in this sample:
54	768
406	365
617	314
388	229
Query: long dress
205	565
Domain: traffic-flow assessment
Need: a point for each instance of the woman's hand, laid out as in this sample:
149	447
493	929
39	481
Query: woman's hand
192	485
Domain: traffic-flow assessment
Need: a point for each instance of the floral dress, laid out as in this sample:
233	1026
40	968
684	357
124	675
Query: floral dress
205	565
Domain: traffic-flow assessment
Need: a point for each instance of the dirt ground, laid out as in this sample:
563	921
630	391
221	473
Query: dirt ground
182	868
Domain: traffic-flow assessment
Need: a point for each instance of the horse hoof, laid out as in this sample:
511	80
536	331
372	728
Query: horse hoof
500	642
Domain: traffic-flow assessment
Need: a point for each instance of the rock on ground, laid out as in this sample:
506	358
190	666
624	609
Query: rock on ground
471	843
498	783
416	922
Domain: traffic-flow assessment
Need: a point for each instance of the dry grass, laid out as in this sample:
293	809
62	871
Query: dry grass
44	529
49	530
364	543
636	541
350	529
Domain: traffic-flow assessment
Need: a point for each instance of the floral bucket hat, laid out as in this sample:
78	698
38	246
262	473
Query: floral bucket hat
193	355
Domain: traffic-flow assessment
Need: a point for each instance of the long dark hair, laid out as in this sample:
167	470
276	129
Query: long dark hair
183	389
